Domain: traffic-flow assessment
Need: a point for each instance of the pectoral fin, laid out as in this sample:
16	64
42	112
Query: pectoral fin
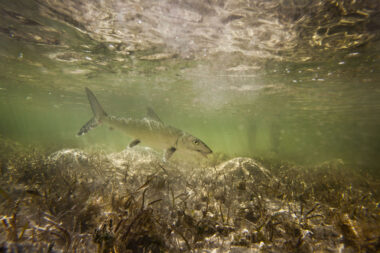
169	152
134	143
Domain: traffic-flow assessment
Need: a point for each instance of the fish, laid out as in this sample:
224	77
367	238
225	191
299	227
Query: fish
151	130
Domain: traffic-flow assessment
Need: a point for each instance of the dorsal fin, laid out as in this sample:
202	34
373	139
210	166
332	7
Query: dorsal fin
151	114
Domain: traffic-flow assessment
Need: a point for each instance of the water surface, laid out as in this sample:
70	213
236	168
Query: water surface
289	80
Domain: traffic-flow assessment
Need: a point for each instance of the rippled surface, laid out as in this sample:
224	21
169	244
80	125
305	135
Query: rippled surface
293	80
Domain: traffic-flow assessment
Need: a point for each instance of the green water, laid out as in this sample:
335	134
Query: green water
307	96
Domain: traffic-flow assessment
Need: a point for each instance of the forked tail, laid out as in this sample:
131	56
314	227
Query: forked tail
99	113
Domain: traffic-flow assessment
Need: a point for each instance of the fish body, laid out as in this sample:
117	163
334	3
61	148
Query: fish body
150	130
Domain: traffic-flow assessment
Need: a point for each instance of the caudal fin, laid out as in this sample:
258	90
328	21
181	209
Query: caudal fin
98	111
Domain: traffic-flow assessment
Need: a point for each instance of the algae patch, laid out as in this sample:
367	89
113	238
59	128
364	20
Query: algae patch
131	201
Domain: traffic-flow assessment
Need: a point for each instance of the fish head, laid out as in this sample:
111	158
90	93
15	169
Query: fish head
190	142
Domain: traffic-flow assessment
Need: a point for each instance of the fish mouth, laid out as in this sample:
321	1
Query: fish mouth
204	153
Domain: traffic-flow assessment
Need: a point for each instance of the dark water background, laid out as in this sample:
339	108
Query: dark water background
285	80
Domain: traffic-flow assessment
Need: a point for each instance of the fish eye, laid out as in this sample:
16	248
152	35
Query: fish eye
196	142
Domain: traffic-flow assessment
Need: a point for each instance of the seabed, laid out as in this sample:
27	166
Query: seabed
77	201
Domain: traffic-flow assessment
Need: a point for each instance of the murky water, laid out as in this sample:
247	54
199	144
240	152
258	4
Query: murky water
296	80
293	84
